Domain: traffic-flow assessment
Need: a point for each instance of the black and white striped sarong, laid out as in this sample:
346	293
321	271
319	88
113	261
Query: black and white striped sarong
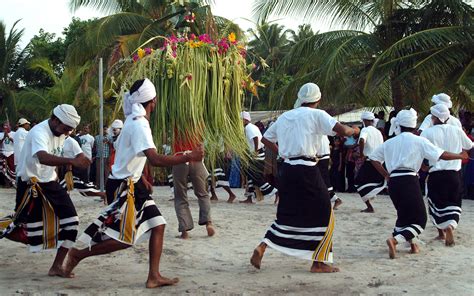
85	189
305	222
323	165
255	177
130	216
369	182
47	213
444	198
405	193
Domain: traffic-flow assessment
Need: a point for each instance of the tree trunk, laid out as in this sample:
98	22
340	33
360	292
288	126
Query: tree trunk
397	94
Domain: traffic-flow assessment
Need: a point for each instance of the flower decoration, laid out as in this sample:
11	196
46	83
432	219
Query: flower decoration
190	18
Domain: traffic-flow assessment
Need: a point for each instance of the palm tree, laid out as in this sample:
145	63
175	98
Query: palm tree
11	57
414	48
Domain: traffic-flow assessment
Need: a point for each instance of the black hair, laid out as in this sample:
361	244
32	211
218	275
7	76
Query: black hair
381	112
407	129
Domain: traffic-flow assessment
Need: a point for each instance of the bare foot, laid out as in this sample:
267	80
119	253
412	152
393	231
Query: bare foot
392	247
441	235
337	203
256	259
159	281
414	249
184	235
210	229
72	259
320	267
449	236
368	210
57	271
247	201
231	199
214	198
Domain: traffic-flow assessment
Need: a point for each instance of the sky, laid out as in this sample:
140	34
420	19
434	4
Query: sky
54	15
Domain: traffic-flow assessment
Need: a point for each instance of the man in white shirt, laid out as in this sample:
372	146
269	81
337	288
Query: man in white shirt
132	215
444	182
19	137
87	143
368	181
45	217
403	156
324	151
305	221
255	175
444	99
7	156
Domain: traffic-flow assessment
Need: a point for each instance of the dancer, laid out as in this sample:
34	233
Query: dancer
132	215
444	181
403	156
305	221
368	181
7	154
220	176
19	138
257	162
444	99
324	151
45	217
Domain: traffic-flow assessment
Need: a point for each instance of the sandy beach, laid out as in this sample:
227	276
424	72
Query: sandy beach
220	265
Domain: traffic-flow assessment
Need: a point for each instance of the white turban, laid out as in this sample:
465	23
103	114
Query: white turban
117	123
442	98
366	115
405	118
308	93
132	102
67	114
440	111
245	115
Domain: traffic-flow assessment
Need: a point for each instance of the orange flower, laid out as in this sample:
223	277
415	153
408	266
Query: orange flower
141	53
232	38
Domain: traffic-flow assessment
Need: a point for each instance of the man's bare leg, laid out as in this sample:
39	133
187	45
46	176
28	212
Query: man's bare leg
392	247
337	203
449	236
184	235
74	256
56	269
441	235
256	259
213	194
232	196
155	247
414	248
369	209
210	229
320	267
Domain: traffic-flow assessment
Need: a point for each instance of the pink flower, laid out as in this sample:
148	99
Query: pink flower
135	58
148	50
205	38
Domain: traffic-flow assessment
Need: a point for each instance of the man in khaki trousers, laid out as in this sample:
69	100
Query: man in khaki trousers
197	174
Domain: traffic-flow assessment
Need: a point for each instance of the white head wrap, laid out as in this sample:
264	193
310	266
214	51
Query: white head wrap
366	115
440	111
442	98
132	102
308	93
67	114
117	123
405	118
245	115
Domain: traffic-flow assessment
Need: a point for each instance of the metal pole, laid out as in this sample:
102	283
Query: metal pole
101	120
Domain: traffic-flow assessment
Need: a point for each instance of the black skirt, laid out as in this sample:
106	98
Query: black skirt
405	193
323	166
369	182
444	198
305	221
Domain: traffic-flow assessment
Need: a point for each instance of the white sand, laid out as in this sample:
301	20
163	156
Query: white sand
220	265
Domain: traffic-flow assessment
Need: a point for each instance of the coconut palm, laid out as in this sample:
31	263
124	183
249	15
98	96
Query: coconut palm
11	57
414	48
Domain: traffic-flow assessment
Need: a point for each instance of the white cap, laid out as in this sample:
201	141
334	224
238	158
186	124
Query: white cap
23	121
442	98
245	115
440	111
308	93
117	123
367	115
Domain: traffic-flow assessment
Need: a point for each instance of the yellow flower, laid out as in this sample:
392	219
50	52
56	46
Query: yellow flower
232	38
141	53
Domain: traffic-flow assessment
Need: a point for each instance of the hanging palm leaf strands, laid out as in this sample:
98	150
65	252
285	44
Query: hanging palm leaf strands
201	85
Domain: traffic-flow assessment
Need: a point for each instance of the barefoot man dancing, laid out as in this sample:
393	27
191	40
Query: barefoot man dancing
444	182
45	217
132	215
305	222
403	156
